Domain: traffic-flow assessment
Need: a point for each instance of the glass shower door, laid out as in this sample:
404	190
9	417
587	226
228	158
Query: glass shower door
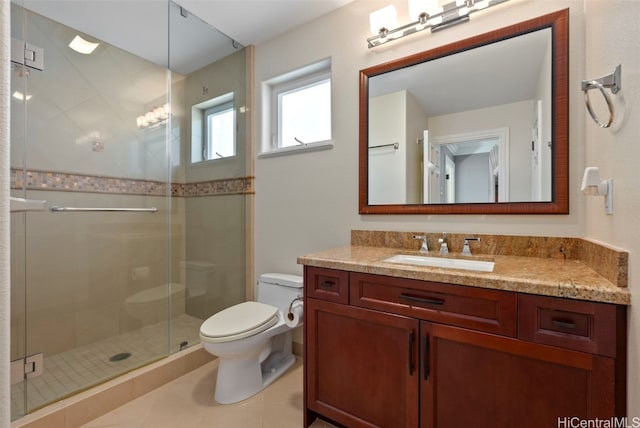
84	267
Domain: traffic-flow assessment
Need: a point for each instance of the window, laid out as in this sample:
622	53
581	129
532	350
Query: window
297	107
304	114
213	129
219	132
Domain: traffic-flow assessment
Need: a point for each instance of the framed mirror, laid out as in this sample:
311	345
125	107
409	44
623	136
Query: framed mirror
479	126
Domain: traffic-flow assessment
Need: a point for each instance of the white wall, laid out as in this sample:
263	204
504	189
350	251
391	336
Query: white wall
416	124
309	202
543	91
388	123
472	178
395	174
5	247
612	39
517	117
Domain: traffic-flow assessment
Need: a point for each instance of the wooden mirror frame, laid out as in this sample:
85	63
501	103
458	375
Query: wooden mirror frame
559	204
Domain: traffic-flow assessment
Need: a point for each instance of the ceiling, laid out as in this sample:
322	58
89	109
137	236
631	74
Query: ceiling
253	21
491	75
138	26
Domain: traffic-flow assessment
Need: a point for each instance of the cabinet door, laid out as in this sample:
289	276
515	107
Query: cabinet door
362	365
472	379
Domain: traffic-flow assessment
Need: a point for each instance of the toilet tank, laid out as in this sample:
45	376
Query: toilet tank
199	277
279	289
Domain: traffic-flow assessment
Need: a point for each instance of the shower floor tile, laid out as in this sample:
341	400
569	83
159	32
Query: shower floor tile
83	367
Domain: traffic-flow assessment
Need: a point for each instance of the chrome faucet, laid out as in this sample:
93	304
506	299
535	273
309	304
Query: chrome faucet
444	248
424	248
466	249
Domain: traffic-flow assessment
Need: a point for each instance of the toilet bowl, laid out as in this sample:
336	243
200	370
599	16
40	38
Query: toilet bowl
252	340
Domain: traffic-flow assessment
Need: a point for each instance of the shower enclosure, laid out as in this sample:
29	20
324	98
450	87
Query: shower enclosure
121	242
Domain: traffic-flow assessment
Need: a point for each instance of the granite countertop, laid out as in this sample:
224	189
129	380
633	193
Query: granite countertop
548	276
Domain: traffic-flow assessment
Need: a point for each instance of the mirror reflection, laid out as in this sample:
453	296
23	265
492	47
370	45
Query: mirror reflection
474	127
477	126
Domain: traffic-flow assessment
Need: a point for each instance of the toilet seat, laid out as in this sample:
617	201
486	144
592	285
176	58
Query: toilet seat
239	321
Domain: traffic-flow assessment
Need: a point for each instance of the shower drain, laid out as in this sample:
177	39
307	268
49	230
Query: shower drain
119	357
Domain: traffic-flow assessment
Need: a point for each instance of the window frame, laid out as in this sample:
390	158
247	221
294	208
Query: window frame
199	146
273	90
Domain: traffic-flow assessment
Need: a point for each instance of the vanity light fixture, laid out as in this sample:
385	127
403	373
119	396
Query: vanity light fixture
82	46
382	20
155	117
592	184
426	14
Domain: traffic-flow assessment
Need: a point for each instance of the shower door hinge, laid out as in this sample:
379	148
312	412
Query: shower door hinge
27	54
27	368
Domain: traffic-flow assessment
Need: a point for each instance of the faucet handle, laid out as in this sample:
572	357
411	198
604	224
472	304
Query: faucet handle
444	248
466	249
423	248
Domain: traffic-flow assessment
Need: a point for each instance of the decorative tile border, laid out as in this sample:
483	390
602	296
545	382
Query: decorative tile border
68	182
231	186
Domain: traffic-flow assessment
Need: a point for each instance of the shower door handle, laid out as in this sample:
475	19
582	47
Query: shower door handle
103	209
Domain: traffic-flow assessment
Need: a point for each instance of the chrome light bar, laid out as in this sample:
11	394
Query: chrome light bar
448	15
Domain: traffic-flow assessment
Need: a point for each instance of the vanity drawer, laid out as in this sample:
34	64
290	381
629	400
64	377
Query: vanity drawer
326	284
574	324
492	311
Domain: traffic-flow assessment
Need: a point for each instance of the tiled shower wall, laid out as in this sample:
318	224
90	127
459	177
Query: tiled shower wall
76	143
80	268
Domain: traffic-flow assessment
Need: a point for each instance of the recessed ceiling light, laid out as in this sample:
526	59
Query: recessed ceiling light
82	46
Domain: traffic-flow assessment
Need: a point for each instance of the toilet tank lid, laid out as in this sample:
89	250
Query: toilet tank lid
287	280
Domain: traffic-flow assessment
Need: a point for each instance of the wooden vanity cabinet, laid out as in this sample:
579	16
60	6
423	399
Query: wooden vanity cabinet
454	356
485	380
362	368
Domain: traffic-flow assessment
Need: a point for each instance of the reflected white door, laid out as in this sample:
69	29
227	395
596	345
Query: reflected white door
536	140
449	180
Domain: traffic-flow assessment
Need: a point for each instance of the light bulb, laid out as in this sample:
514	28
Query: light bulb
430	7
385	18
151	118
82	46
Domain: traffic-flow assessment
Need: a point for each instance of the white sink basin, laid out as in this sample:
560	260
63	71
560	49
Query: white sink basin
444	262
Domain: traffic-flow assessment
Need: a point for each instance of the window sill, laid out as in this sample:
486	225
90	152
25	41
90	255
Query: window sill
291	150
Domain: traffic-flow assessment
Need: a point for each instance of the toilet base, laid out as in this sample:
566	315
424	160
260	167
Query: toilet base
239	379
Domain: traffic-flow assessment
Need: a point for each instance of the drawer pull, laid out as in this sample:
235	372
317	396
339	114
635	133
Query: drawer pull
563	323
411	362
327	284
427	300
425	361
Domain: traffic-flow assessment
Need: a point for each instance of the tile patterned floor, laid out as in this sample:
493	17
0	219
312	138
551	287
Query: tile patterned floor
187	402
86	366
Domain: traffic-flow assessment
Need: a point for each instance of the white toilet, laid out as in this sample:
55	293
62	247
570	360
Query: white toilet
252	340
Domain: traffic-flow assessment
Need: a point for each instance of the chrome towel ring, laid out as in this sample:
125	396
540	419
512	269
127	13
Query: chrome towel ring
611	81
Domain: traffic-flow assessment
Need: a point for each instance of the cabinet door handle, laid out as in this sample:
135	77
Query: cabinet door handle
564	323
411	362
327	284
425	361
427	300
